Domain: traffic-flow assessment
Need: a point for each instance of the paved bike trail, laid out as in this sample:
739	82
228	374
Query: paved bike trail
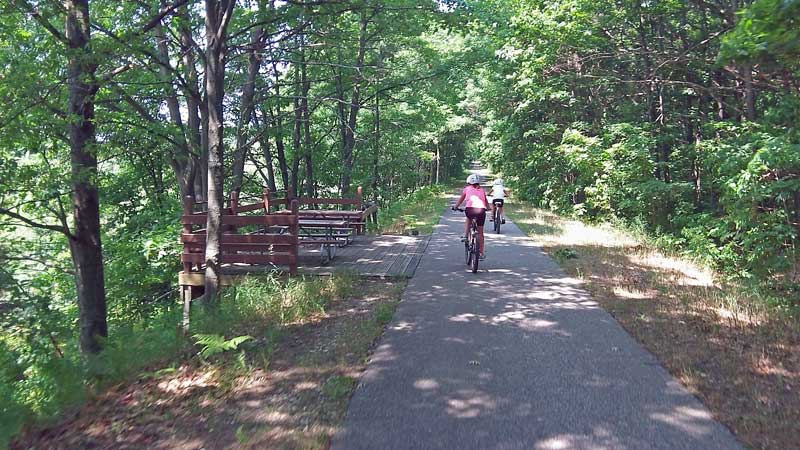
516	356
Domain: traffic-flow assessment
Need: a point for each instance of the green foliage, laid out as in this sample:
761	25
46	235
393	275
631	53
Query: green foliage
338	386
768	31
418	211
37	383
214	344
564	254
665	142
384	313
275	299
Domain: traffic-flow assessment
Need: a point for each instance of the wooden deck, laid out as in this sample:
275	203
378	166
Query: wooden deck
385	256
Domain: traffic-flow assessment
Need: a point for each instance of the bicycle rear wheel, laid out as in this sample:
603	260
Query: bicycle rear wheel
496	220
476	256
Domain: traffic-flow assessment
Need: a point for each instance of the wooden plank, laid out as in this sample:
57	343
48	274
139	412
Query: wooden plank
328	201
280	259
329	213
319	241
252	207
334	223
285	239
272	219
282	248
199	278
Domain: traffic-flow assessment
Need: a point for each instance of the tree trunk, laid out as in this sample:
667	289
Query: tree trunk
341	109
377	150
279	146
217	16
85	245
749	93
265	148
194	104
355	106
240	154
308	143
296	141
719	80
181	159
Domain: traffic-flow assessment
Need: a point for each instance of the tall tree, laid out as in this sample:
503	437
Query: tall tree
218	17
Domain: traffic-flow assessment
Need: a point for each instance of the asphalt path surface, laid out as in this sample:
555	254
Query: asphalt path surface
516	356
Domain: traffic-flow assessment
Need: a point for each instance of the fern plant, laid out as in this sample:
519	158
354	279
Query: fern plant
214	343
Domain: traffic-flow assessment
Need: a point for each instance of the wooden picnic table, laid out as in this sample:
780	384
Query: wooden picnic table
355	219
328	234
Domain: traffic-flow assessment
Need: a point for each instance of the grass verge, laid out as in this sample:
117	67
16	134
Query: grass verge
272	367
728	346
417	212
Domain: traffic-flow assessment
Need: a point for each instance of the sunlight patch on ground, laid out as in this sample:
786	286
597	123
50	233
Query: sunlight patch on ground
690	274
426	384
184	384
622	292
722	341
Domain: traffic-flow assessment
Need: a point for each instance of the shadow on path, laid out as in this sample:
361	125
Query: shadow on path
515	356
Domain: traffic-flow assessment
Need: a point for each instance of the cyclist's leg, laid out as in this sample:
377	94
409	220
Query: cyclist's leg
483	241
480	219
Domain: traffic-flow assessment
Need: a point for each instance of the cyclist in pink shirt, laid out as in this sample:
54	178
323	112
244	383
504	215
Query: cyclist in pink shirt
476	207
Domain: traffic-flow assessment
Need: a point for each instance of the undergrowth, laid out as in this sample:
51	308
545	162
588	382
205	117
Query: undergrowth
39	387
731	343
417	212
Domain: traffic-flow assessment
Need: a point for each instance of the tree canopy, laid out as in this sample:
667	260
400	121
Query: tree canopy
679	118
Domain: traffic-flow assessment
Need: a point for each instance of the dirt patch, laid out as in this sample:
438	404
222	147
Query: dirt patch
289	390
741	358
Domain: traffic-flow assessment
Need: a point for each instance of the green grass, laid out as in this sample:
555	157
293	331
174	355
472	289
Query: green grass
419	211
745	345
41	387
338	386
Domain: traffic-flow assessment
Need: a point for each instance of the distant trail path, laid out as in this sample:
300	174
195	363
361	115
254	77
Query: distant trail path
516	356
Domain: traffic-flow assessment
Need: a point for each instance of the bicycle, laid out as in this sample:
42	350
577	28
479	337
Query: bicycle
496	216
472	245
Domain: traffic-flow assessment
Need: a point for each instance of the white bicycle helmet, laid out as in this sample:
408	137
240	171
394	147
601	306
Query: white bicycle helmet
474	179
498	182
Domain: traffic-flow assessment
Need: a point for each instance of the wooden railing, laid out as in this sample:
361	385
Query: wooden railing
259	234
274	240
357	216
357	201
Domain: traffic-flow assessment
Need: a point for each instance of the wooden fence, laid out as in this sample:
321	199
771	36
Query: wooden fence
357	217
271	240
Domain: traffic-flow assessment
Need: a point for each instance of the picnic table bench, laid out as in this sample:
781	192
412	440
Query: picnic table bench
356	217
328	234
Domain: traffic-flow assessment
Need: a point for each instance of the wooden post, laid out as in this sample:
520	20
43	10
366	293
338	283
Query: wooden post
188	203
234	202
186	296
295	231
360	207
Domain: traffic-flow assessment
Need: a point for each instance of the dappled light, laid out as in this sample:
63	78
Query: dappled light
469	353
230	224
704	331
